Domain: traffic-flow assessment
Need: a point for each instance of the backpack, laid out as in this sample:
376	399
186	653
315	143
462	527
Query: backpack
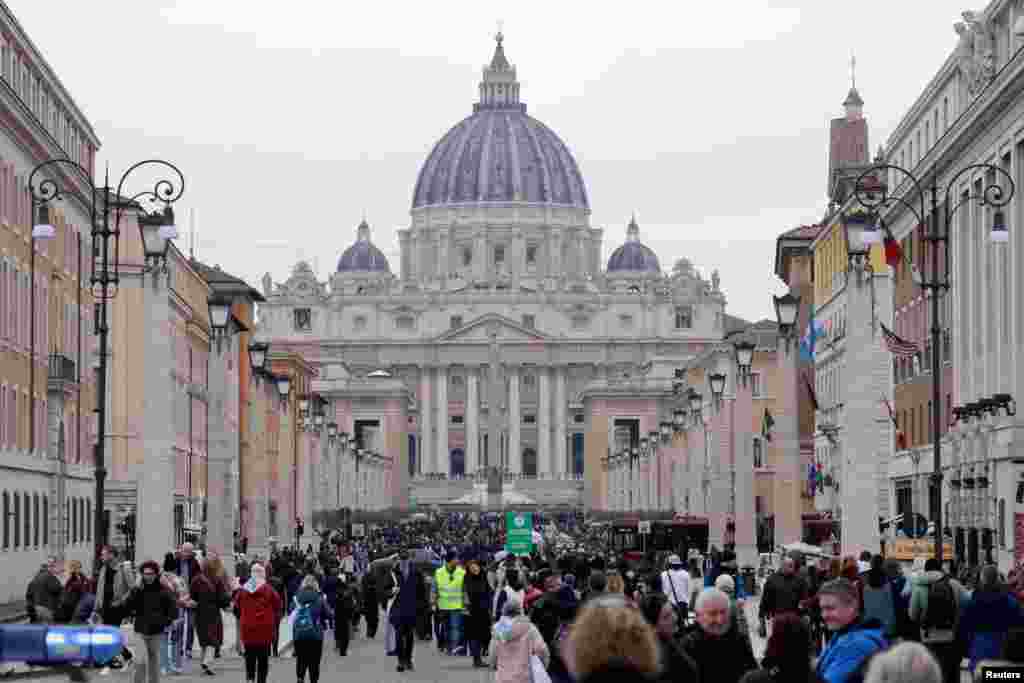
305	626
941	610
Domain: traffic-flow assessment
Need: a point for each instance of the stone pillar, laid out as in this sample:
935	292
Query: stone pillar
560	421
257	468
442	458
56	441
746	531
700	473
544	421
480	256
494	416
721	469
156	475
443	254
473	460
866	437
222	455
426	454
789	476
515	419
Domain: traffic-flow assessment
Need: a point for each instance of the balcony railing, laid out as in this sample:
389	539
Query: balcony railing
62	368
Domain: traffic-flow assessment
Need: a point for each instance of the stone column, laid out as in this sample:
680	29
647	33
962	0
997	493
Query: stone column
746	531
480	256
494	416
222	453
866	437
56	442
789	476
156	475
473	461
560	421
721	474
544	421
443	253
442	457
425	455
515	419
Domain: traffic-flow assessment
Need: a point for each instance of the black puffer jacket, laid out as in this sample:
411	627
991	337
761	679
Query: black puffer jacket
153	606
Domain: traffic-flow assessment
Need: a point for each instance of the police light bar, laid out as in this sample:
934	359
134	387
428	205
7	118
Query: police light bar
40	644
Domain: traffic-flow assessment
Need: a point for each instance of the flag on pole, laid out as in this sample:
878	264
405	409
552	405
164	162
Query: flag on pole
815	330
901	438
897	345
767	423
810	390
893	250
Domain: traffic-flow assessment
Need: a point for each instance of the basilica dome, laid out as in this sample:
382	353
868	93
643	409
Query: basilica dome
363	256
500	154
633	256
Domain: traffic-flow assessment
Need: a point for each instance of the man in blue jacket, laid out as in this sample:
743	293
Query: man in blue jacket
854	641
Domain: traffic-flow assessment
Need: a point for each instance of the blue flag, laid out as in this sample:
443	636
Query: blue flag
815	330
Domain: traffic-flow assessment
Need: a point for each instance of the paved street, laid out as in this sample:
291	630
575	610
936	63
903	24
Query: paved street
365	657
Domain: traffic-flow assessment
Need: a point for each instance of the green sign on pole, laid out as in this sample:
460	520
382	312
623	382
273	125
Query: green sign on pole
519	533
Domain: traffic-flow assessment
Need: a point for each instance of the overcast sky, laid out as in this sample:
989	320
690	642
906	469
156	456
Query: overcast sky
292	119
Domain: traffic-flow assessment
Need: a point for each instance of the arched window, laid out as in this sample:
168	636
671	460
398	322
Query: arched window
529	462
7	520
46	520
35	520
458	461
17	519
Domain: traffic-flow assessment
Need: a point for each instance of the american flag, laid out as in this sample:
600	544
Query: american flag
897	345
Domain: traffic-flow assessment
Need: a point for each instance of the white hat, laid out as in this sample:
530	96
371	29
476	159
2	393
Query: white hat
674	560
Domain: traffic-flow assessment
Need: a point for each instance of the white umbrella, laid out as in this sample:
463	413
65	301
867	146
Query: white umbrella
500	555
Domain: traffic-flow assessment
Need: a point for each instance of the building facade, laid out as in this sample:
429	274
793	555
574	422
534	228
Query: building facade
483	352
47	391
970	112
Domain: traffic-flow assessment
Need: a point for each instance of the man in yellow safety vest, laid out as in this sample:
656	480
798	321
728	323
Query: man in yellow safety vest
448	599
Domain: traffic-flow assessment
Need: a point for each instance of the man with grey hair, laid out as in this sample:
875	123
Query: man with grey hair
908	662
854	641
719	651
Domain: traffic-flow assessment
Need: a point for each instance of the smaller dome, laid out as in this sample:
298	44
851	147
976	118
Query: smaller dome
633	256
363	256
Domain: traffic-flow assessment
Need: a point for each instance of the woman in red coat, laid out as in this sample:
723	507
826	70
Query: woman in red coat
258	607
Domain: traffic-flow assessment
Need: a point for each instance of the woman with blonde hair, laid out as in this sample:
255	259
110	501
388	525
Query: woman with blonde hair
611	639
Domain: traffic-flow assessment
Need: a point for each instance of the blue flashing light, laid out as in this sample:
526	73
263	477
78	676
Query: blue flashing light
42	644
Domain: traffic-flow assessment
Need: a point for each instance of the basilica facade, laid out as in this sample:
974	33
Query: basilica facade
501	345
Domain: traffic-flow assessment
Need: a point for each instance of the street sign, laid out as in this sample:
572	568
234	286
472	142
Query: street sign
519	533
643	527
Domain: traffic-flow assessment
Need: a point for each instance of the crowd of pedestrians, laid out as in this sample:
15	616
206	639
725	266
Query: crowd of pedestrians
558	616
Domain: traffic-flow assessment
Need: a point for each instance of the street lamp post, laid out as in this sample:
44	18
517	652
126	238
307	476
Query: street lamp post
106	206
872	196
42	230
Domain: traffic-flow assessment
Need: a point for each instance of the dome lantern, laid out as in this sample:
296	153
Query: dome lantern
633	256
500	154
363	256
